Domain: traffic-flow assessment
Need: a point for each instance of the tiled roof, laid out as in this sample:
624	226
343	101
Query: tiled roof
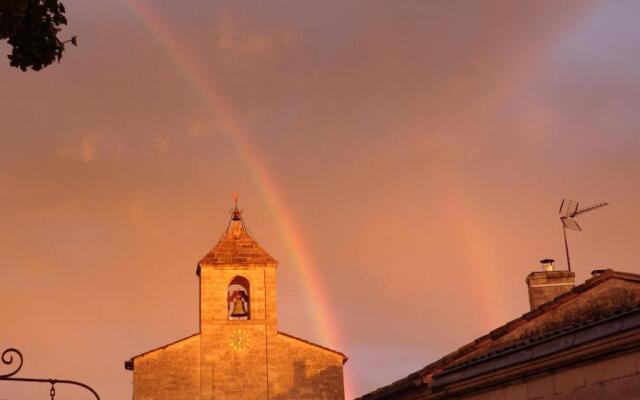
531	340
548	351
486	342
236	246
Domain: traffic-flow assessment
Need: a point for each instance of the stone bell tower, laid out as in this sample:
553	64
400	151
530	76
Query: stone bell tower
238	320
238	352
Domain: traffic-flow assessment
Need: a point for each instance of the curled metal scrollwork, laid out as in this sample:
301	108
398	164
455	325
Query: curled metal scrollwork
8	359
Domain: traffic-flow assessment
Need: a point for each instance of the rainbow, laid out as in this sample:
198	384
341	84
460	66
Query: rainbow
480	255
324	325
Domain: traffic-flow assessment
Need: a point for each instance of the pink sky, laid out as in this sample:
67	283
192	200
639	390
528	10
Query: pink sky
421	148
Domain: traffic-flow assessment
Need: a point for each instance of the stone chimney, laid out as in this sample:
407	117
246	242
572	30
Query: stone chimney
548	284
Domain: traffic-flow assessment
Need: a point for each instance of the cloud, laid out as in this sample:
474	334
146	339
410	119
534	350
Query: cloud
86	149
196	129
238	36
200	127
91	147
161	144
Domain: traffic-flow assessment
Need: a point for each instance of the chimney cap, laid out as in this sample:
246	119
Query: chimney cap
547	264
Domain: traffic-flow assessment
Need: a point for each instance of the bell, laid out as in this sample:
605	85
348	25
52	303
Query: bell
238	308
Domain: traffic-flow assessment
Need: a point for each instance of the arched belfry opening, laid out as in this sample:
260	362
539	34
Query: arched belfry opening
239	299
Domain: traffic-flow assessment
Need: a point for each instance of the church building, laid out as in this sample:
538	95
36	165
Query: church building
238	352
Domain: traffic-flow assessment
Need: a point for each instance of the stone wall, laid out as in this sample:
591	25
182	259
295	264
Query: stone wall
616	378
214	281
171	372
297	370
303	371
230	372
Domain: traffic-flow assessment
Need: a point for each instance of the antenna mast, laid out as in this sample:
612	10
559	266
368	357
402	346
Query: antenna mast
566	247
568	211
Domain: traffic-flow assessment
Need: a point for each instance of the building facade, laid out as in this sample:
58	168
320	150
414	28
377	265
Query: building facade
239	352
576	342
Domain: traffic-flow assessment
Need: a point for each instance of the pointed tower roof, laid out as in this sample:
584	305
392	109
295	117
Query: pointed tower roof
236	246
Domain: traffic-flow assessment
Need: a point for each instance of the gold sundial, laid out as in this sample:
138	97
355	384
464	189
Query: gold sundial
239	340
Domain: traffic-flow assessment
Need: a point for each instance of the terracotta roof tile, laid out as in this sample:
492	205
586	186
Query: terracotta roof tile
563	330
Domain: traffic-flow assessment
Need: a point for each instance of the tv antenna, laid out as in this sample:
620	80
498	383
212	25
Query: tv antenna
568	212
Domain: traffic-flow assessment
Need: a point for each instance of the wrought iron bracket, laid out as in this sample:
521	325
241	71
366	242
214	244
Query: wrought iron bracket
13	356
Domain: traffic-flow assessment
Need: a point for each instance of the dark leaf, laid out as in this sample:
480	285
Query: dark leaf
31	28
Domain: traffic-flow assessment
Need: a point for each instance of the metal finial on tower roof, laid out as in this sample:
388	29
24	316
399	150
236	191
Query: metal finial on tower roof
236	215
234	195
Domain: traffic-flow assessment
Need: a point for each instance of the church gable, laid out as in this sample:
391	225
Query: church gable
305	370
171	371
311	347
180	343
